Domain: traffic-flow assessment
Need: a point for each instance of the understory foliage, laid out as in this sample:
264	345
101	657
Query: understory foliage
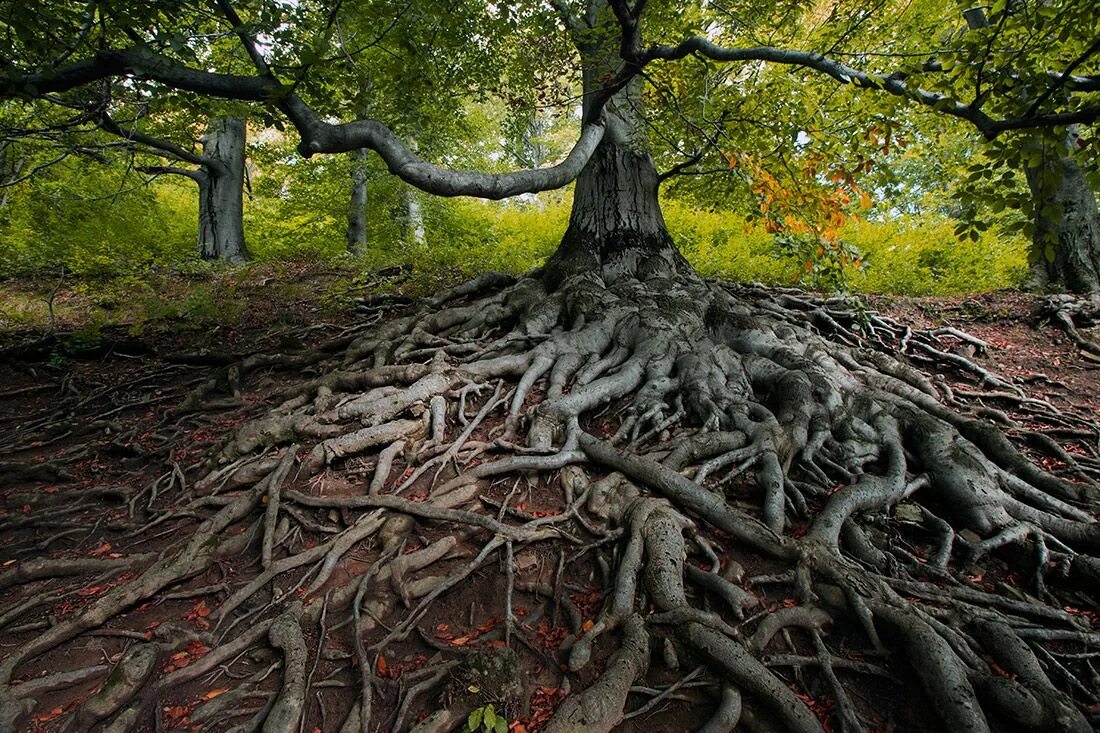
129	227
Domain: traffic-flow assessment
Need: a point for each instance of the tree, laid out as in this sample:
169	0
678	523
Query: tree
219	173
779	395
357	206
221	191
1066	239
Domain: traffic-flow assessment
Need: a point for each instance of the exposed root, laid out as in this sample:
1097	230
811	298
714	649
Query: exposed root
632	448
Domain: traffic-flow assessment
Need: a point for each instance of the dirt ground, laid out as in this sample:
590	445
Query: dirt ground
82	419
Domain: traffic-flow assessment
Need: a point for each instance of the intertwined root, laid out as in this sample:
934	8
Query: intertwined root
686	429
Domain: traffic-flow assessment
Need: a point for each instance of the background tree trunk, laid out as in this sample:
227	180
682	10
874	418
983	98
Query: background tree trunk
414	218
1066	243
615	227
221	192
357	207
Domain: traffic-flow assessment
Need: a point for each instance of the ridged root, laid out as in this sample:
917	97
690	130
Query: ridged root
603	463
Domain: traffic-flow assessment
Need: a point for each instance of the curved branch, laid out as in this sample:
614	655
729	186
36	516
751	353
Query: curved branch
163	146
845	74
197	176
317	135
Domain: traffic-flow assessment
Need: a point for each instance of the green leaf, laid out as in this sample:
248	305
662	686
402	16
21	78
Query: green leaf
1048	252
474	721
490	717
501	726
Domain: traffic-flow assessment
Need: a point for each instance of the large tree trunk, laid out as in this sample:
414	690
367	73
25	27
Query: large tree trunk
357	207
221	192
616	228
1066	243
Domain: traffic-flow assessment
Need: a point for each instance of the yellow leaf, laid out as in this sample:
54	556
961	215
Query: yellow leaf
214	693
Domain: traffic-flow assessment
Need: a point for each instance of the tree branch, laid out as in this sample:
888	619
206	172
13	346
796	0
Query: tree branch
845	74
317	135
1065	77
198	176
38	168
680	167
170	149
250	46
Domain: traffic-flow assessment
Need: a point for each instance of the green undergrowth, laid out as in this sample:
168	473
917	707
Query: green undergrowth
153	302
126	258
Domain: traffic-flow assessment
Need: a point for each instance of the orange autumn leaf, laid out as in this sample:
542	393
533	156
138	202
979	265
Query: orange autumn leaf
199	609
460	641
46	717
92	590
383	666
214	693
586	625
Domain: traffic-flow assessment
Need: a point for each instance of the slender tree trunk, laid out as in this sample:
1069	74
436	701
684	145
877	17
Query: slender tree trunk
414	218
1066	243
10	168
357	207
616	228
221	192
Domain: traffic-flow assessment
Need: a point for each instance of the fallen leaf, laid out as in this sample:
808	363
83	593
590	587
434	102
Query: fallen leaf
45	717
92	590
214	693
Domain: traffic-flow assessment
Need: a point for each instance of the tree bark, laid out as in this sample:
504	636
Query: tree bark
357	207
414	221
221	192
1066	243
616	228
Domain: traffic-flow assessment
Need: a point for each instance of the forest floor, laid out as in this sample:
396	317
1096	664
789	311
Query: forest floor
121	375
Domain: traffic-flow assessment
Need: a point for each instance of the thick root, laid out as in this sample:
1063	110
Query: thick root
616	455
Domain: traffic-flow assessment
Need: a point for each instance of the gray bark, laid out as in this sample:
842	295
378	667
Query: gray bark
357	207
616	228
221	192
414	218
1066	243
